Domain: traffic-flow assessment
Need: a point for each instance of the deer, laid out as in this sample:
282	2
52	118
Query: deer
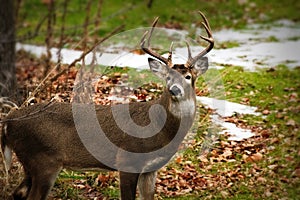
45	136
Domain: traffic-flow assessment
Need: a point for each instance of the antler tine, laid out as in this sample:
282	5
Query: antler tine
143	40
208	31
209	39
152	29
148	49
189	50
205	19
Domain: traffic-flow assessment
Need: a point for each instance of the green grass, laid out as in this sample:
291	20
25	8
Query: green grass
134	14
265	89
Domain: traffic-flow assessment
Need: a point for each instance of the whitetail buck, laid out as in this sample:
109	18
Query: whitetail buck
45	137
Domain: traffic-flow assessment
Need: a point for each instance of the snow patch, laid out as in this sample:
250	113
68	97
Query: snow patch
225	108
236	133
255	49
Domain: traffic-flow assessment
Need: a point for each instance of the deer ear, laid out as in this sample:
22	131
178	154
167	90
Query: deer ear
158	68
200	66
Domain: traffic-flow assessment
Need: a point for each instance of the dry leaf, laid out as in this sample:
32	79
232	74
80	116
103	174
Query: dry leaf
254	158
266	112
291	122
261	179
297	172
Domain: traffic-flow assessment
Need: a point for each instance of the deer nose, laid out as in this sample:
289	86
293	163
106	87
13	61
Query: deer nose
175	90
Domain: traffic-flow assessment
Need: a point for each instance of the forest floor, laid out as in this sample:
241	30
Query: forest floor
265	166
209	165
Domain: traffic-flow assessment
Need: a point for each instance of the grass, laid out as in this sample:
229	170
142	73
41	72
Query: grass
134	14
261	85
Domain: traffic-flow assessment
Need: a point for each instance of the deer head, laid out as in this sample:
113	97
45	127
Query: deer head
195	66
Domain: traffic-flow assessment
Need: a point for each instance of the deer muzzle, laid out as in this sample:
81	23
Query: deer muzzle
176	91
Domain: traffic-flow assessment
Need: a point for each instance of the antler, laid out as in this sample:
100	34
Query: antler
168	61
148	50
191	61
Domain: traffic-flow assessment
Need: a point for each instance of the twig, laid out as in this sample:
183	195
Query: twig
35	32
98	15
86	25
48	40
62	32
18	4
5	103
38	32
91	49
41	85
24	117
149	4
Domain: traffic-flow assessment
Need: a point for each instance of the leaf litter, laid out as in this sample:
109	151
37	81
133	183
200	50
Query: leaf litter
204	176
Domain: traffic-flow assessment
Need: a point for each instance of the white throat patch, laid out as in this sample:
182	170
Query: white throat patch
183	108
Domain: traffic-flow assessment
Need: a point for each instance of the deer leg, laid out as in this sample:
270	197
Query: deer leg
146	185
128	183
22	191
42	182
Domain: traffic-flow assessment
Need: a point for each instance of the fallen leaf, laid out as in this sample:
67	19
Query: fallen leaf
291	122
268	193
274	140
224	194
227	153
261	179
266	112
297	172
254	157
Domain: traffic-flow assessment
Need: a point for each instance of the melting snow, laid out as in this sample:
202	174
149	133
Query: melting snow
254	50
235	132
225	108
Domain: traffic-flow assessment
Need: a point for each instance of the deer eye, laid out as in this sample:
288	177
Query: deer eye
188	77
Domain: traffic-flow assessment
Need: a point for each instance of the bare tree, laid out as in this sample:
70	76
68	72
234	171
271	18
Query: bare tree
7	49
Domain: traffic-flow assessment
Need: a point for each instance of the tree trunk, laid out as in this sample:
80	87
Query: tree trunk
7	49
